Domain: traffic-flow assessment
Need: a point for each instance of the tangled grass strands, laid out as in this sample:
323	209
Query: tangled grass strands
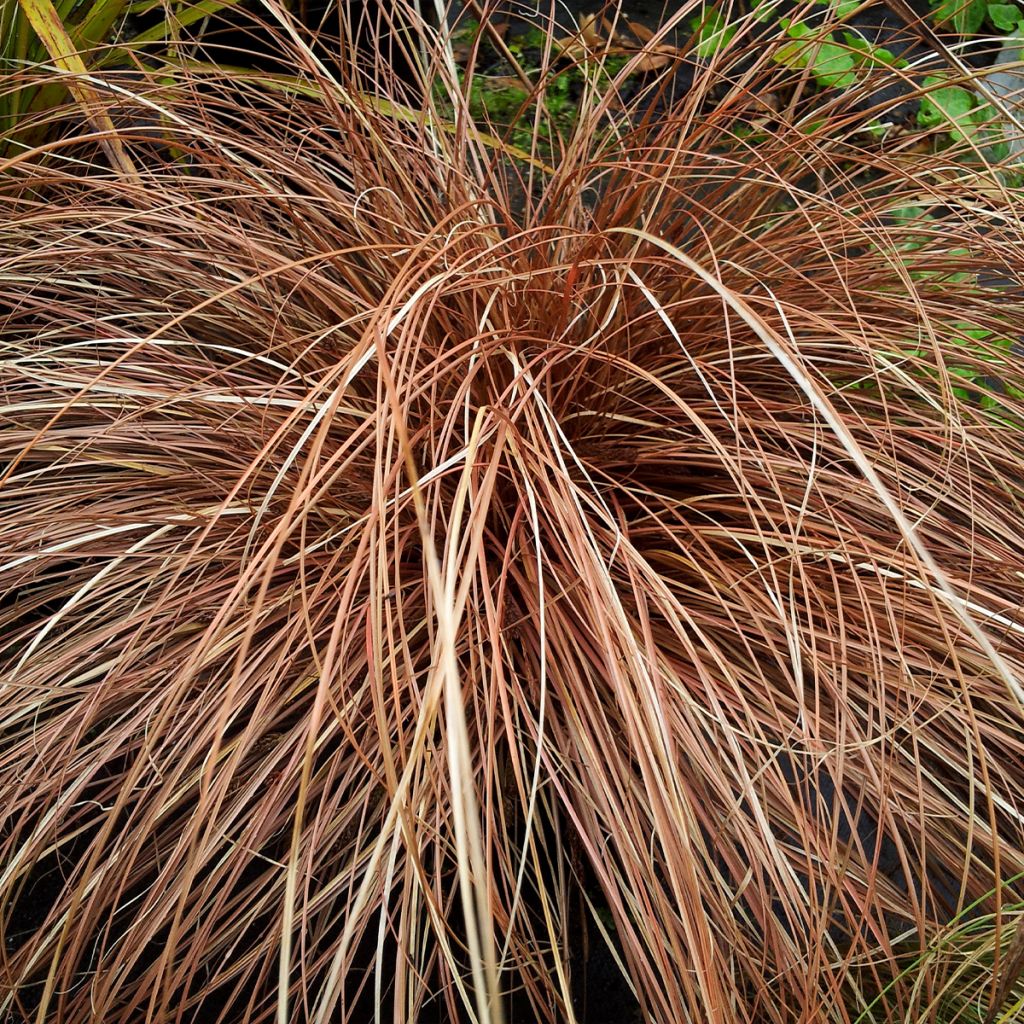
420	570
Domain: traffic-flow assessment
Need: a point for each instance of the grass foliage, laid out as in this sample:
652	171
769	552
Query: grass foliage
76	38
419	566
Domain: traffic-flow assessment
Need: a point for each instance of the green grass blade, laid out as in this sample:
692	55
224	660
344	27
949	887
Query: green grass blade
96	25
43	18
195	12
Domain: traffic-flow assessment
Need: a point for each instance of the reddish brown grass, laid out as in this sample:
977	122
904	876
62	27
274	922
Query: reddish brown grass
403	546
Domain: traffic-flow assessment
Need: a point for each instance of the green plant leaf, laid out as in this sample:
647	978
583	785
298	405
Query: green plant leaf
867	54
841	8
712	32
965	16
764	9
834	66
950	105
906	214
830	63
1006	17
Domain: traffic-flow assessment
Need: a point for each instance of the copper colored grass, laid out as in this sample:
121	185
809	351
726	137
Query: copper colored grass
413	561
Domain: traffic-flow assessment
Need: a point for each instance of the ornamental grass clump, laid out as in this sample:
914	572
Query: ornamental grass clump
425	564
